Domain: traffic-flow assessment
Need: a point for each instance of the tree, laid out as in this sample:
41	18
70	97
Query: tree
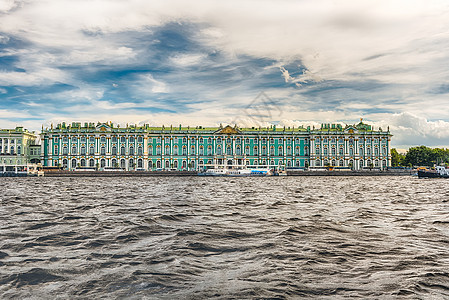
397	159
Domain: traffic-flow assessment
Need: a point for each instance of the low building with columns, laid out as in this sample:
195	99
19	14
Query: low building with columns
15	149
106	145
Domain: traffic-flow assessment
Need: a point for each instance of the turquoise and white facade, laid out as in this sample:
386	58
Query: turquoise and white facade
16	152
105	145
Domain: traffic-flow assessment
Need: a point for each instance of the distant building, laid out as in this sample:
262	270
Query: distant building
16	149
132	147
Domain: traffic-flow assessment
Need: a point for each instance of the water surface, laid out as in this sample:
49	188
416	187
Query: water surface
224	238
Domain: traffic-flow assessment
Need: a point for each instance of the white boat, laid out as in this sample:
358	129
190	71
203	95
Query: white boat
235	172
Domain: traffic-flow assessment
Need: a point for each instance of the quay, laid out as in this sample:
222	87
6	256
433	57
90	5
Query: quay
351	173
64	173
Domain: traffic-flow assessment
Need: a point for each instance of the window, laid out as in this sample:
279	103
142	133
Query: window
351	151
91	150
19	150
139	150
361	151
64	163
131	150
73	163
83	162
317	150
325	140
368	151
334	151
256	151
201	150
201	140
192	150
219	152
384	151
218	140
264	150
103	139
341	163
131	163
289	150
318	163
131	139
167	150
325	152
64	151
175	150
184	150
228	140
92	139
280	151
376	151
238	150
272	150
83	150
209	150
184	140
122	164
340	151
73	150
55	152
114	163
114	139
83	140
73	139
228	150
167	164
247	140
150	150
247	150
351	141
140	139
209	140
91	162
123	139
103	150
237	140
114	150
122	150
65	139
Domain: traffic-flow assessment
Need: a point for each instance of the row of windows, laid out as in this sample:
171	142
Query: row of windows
12	150
114	139
74	150
351	151
11	141
351	140
227	140
351	162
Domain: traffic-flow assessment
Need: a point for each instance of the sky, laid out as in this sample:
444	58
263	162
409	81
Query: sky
206	62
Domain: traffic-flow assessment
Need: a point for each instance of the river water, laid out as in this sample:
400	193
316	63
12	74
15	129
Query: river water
224	238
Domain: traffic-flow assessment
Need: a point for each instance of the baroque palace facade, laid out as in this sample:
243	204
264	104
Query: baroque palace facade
105	145
18	149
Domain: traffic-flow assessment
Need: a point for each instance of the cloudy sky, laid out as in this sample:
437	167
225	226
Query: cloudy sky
205	62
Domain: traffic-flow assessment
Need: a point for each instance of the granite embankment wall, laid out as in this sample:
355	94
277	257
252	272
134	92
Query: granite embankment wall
118	174
351	173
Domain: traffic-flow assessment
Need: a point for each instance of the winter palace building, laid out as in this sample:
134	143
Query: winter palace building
106	145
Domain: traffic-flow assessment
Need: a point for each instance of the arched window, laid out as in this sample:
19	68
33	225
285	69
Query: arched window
167	150
376	151
368	151
122	150
73	163
361	164
219	152
158	164
351	151
122	163
325	151
176	164
376	163
247	152
139	150
192	150
140	163
103	150
341	163
317	163
73	150
55	152
131	150
237	140
102	139
140	139
298	151
209	150
228	140
361	151
102	163
218	140
228	150
256	150
64	163
384	164
333	162
19	150
114	139
384	151
184	140
272	150
114	163
83	162
123	139
131	139
114	150
91	162
184	150
340	150
184	164
201	150
83	150
175	150
201	140
289	163
280	151
317	150
167	164
91	150
264	150
238	150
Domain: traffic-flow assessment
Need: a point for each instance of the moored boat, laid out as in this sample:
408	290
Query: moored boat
439	172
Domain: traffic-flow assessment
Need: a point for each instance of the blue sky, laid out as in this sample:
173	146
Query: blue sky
205	63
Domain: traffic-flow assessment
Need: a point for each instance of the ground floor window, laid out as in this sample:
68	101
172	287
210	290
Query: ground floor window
73	163
91	162
102	162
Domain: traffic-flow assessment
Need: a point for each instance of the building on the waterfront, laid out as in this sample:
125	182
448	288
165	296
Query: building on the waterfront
106	145
18	150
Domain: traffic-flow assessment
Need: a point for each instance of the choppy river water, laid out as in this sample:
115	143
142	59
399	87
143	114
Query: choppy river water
224	238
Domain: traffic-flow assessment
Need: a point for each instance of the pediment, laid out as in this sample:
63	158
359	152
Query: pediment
228	130
103	127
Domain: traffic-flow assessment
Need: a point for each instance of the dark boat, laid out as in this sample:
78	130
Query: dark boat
439	172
